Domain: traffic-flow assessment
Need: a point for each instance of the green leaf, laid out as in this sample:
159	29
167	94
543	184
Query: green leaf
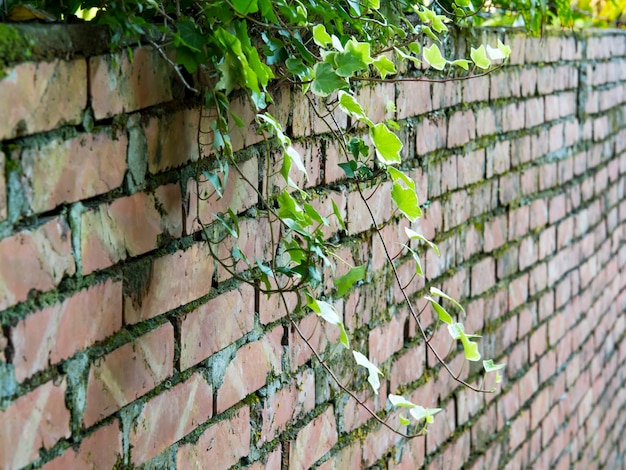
438	293
320	36
433	56
343	283
297	67
351	106
245	7
429	32
463	63
338	215
414	235
400	401
438	24
189	35
404	421
326	81
470	348
404	56
372	370
295	158
406	200
328	313
384	66
418	264
419	413
442	314
479	57
355	57
489	366
388	145
463	3
505	49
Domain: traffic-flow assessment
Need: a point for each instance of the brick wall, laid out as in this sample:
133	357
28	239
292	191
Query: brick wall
123	343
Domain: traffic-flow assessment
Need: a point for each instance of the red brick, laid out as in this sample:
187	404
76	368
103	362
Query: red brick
476	89
495	233
387	339
171	281
498	158
538	342
170	416
486	117
431	135
118	84
348	457
272	307
379	441
374	100
511	116
57	332
519	220
128	373
354	414
319	333
248	370
313	441
34	259
408	367
216	324
172	139
534	112
518	292
461	128
42	96
70	170
528	81
287	404
38	419
470	167
528	253
504	84
548	177
220	446
538	214
379	202
129	226
102	449
204	202
447	94
557	208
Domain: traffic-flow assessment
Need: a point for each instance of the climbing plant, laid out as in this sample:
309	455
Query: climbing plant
233	49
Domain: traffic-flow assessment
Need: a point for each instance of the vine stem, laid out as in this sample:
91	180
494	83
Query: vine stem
173	65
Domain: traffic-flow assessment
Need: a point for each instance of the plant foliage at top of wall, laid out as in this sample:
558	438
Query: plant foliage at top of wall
226	48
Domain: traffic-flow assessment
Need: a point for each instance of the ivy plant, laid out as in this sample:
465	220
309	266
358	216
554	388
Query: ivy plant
228	49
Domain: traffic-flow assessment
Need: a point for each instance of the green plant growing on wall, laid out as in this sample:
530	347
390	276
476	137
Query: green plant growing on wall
228	49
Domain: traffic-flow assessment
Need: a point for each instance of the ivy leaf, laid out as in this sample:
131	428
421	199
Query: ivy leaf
462	3
404	56
326	80
494	53
245	7
442	314
418	264
429	32
469	347
320	36
388	145
355	57
433	56
372	370
403	194
328	313
189	35
505	49
438	293
438	24
296	67
351	106
384	66
404	421
479	57
343	283
295	158
414	235
338	215
463	63
400	401
489	366
419	413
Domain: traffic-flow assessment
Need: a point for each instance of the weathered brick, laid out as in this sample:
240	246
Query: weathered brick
57	332
203	202
102	449
61	171
495	233
128	373
498	158
33	421
248	370
172	140
461	128
470	167
313	441
379	201
216	324
129	226
170	416
170	281
387	339
220	446
287	404
42	96
42	257
483	276
431	134
118	84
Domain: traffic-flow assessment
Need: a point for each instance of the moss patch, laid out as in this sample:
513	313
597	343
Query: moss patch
14	47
